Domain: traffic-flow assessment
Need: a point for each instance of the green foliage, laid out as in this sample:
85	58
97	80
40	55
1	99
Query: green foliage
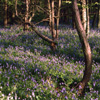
68	2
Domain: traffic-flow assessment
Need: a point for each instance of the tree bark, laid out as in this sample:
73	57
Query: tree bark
16	12
53	20
88	19
49	7
85	47
33	10
58	17
84	14
26	15
99	14
5	14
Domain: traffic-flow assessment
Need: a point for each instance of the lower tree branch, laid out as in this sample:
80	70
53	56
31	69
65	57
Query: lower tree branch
41	35
37	32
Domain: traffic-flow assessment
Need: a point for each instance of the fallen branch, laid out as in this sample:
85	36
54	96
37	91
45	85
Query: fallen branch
37	32
41	35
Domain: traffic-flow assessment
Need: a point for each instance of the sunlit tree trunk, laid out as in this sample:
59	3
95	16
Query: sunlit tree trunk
51	4
52	23
33	10
53	20
5	14
99	14
85	47
85	17
88	19
84	14
26	15
49	7
58	17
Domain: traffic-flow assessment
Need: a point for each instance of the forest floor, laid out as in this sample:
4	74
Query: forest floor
29	70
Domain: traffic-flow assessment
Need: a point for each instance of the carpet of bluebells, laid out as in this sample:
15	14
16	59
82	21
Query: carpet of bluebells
29	70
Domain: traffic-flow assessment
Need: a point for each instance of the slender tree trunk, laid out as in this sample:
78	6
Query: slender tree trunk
58	17
99	14
52	23
5	14
49	7
84	14
88	20
86	49
53	20
16	12
33	10
26	15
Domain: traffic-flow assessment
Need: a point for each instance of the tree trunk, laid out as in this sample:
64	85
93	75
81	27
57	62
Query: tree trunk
52	23
16	12
84	14
53	20
26	15
98	15
88	20
49	7
58	17
85	47
5	14
33	10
